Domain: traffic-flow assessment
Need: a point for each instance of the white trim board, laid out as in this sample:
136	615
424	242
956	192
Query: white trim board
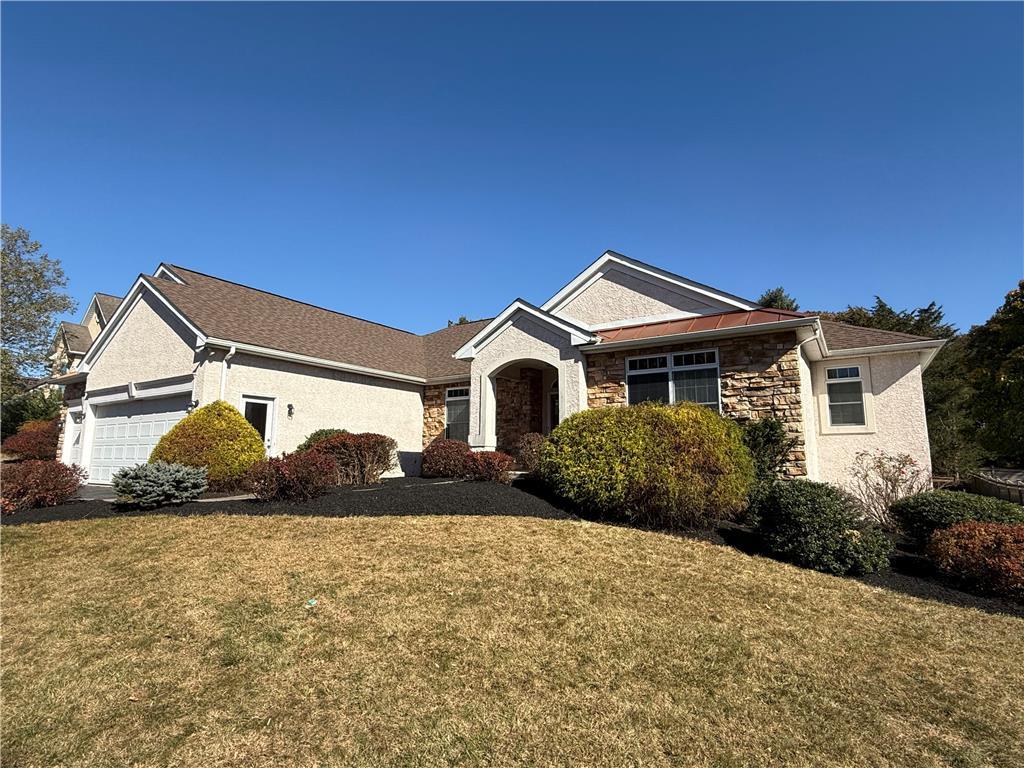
578	335
651	273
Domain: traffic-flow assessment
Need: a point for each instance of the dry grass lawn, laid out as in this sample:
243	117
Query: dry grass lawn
477	641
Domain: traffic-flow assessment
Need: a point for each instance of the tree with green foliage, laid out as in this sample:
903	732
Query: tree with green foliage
995	359
923	321
37	405
30	303
777	298
463	320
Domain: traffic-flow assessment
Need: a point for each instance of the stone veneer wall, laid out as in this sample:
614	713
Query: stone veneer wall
519	407
433	409
760	377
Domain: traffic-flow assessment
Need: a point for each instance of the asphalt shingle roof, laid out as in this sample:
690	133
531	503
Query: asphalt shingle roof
78	337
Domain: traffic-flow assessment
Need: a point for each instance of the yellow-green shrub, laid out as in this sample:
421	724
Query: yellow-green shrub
217	437
674	465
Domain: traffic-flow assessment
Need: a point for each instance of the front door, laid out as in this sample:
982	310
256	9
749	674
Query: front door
259	411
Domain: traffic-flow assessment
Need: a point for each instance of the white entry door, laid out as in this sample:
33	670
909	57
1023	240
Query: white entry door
125	434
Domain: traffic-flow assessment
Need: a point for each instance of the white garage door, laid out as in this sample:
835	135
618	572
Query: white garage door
125	433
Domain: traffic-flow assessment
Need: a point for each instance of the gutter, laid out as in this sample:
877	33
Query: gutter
715	333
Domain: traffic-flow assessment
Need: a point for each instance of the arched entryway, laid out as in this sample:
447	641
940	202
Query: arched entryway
522	401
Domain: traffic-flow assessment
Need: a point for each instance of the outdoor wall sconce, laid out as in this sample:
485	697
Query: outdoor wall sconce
291	410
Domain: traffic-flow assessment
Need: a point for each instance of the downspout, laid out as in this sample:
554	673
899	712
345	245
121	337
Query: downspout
224	371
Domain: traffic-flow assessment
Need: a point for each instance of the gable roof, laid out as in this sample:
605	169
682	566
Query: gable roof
232	312
108	305
77	337
578	334
611	258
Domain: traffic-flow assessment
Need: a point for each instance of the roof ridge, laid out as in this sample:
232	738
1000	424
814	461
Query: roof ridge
294	301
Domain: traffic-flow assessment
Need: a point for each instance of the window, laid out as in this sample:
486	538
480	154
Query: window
456	414
845	389
683	377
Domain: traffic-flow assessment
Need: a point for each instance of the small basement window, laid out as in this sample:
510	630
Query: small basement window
845	389
456	414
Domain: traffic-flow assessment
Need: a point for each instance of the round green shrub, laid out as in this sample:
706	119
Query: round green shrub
650	463
819	526
920	515
318	436
217	437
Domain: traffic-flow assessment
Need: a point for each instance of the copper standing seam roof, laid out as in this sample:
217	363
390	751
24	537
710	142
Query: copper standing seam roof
837	335
225	310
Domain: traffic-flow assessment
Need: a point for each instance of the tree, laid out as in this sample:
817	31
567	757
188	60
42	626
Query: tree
463	320
923	321
995	359
952	430
777	298
40	404
30	302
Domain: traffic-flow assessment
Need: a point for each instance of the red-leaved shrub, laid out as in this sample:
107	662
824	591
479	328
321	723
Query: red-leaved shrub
490	465
986	556
360	459
36	483
445	458
528	451
294	477
34	440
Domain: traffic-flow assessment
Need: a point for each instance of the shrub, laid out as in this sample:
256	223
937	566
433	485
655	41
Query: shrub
490	465
316	437
36	483
988	557
819	526
675	465
769	445
920	515
298	476
217	437
42	404
528	451
148	486
445	458
881	479
34	440
359	459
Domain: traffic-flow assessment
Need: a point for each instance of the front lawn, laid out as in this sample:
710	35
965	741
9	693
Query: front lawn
477	641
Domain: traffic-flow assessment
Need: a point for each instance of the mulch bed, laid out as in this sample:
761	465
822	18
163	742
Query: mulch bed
404	496
394	496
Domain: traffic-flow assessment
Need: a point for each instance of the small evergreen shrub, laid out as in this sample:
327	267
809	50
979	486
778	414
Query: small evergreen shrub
37	483
445	458
528	451
670	465
494	466
148	486
217	437
34	440
316	437
298	476
769	445
819	526
359	459
920	515
988	557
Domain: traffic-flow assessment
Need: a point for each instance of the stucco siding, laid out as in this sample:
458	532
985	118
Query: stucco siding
151	344
620	296
323	398
899	417
525	339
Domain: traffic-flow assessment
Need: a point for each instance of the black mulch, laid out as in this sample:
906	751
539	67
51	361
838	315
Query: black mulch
395	496
910	574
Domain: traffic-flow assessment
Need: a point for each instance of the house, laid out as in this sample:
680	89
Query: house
620	332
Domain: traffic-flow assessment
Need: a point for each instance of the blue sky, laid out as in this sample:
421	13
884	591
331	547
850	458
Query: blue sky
411	163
